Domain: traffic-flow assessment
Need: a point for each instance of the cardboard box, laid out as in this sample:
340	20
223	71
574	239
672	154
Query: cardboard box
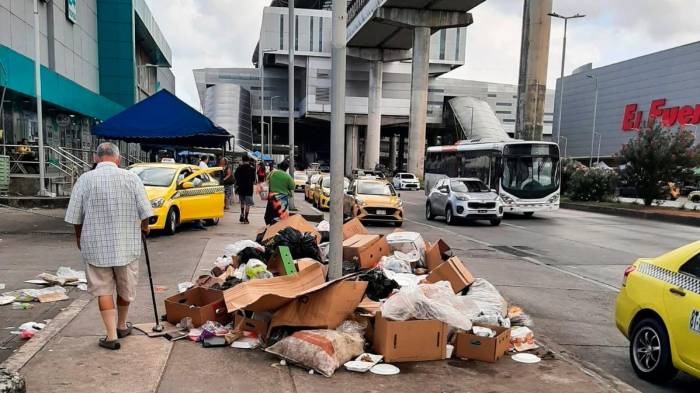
409	341
208	306
257	323
486	349
368	249
453	271
352	228
436	253
297	222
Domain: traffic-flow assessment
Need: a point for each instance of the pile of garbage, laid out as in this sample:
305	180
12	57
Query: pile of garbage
53	289
400	299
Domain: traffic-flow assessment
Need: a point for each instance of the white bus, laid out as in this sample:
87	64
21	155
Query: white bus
526	174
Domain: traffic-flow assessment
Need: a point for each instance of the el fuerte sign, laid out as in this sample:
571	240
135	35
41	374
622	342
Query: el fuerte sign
632	119
72	10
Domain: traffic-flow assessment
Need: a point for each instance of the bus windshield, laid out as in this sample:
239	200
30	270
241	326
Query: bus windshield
529	172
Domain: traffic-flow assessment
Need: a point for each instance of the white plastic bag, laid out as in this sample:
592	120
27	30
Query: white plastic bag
411	243
489	300
431	301
223	262
235	248
323	226
395	264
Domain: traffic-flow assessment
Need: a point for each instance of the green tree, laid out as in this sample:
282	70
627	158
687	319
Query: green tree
658	155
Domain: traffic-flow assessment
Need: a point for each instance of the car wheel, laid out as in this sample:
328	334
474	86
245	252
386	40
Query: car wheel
695	199
650	351
529	214
211	222
429	211
496	222
398	224
449	218
171	222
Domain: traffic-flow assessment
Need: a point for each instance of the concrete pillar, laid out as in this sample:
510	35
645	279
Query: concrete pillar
374	118
351	150
392	151
419	100
402	153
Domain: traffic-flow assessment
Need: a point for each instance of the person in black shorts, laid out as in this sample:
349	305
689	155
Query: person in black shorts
245	180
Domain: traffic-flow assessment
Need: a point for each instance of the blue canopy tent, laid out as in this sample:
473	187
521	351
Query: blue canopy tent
257	155
163	119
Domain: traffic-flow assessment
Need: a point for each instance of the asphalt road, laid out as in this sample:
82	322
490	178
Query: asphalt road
564	268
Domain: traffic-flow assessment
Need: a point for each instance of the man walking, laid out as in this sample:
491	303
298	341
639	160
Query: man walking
109	209
245	180
281	187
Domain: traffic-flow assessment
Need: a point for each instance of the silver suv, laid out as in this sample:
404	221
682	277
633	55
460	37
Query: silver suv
464	199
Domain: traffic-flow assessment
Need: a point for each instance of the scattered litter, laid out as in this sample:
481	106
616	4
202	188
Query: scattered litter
363	363
27	330
323	226
37	282
483	331
522	339
527	358
385	369
82	287
248	343
395	264
183	286
449	349
283	362
160	288
4	300
410	243
234	249
2	286
71	275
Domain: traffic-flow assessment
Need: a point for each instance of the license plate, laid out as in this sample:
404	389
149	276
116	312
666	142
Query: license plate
381	212
482	211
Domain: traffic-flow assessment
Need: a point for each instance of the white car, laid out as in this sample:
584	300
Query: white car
464	199
406	181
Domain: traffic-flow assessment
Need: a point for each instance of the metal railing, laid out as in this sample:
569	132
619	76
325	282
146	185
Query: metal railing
354	8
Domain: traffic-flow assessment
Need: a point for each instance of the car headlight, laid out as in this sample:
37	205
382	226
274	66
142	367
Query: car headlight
506	199
399	204
327	194
462	198
158	202
359	201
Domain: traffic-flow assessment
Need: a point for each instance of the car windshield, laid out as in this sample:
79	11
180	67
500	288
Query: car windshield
407	176
327	182
468	186
374	188
154	176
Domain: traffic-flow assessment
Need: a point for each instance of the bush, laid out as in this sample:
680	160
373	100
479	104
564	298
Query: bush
592	184
568	168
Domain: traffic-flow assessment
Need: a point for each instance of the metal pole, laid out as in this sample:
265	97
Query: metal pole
39	114
595	113
261	64
561	78
340	15
566	144
600	139
290	94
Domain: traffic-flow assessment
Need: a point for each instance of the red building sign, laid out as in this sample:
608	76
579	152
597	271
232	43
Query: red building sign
632	118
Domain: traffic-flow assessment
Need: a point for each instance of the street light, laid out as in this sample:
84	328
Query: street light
261	63
269	135
595	113
563	58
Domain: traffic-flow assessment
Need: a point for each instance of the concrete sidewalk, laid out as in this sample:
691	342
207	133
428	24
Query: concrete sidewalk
69	360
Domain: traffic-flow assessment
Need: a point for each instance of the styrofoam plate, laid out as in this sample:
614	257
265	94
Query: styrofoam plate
526	358
385	369
358	366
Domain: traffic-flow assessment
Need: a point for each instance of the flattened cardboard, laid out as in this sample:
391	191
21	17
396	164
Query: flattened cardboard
453	271
352	228
368	249
256	324
297	222
369	306
208	306
436	253
325	308
409	341
485	349
52	297
273	293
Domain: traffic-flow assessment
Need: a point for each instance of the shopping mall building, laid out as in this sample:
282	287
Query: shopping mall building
97	58
664	85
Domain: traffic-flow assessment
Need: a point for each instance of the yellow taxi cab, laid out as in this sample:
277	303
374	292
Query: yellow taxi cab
658	310
322	191
375	200
181	193
309	187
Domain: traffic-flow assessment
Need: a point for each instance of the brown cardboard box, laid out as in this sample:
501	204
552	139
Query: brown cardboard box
486	349
436	253
409	341
353	227
256	323
297	222
368	249
208	306
453	271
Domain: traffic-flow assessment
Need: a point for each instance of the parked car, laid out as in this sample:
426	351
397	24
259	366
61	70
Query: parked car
309	187
300	179
373	200
694	196
658	310
181	193
322	191
464	199
406	181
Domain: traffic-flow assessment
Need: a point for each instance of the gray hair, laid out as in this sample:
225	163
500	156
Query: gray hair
107	149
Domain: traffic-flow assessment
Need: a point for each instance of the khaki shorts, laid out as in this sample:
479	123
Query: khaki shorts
102	281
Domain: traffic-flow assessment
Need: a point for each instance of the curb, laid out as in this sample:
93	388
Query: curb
694	221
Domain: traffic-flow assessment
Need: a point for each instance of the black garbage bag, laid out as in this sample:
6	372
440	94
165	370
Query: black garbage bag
378	285
350	267
249	253
301	245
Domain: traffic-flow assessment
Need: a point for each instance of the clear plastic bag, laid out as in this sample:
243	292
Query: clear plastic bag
233	249
394	264
323	226
431	301
350	326
487	297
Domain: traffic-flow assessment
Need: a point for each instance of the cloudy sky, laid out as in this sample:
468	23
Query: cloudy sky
223	33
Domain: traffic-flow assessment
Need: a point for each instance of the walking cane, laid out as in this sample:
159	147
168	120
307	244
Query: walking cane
157	327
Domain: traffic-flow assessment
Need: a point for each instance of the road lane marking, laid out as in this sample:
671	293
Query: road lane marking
512	225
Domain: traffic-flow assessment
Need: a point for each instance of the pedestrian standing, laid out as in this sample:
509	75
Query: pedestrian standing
109	210
204	161
226	179
245	181
281	188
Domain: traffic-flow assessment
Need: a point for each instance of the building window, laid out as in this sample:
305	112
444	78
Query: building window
457	46
311	34
516	97
492	95
504	112
443	36
281	31
504	104
509	120
547	122
296	32
320	34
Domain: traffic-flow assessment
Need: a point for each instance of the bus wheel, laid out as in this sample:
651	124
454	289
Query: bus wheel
529	214
429	211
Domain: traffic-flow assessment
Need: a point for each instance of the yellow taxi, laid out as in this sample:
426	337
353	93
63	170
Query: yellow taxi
181	193
658	310
374	200
309	187
322	191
